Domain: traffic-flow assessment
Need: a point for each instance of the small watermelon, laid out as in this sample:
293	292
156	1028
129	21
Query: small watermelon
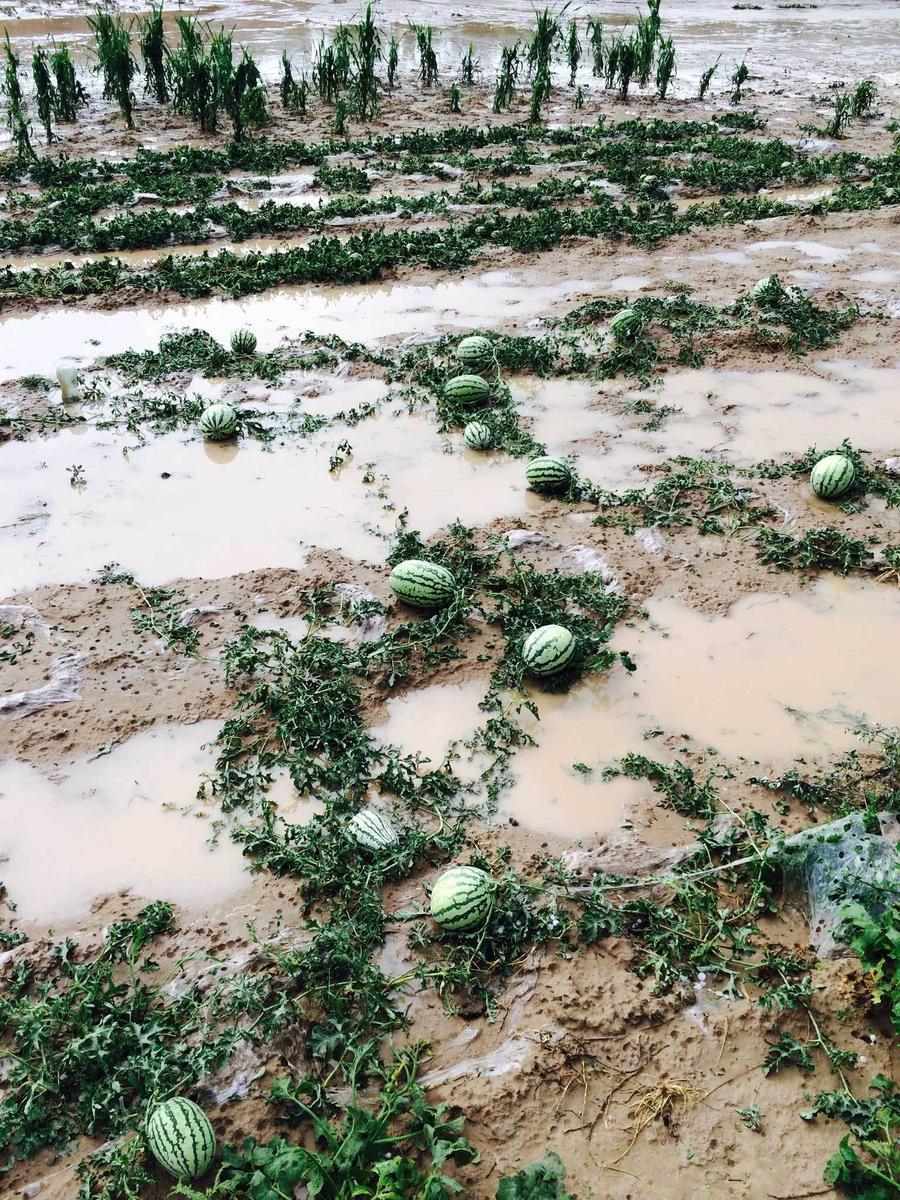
832	476
478	436
467	390
548	475
625	327
243	341
422	584
181	1138
475	353
218	422
548	650
371	829
462	898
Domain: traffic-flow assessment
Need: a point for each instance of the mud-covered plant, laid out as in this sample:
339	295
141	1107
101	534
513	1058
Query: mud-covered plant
16	117
365	53
595	41
546	35
706	79
428	63
393	59
505	88
627	62
341	113
158	612
863	98
645	41
866	1165
294	93
469	66
44	90
573	52
152	41
192	76
453	99
840	117
578	101
665	66
68	93
115	60
739	77
540	93
240	87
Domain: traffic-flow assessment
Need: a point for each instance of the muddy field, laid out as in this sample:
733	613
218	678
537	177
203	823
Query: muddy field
205	673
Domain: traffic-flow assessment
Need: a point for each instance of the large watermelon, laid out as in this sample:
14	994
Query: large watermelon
625	326
477	436
218	422
181	1138
766	289
467	391
462	898
475	353
548	650
371	829
548	475
832	476
422	584
243	341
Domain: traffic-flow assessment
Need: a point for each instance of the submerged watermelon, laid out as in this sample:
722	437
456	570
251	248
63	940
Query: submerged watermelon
243	342
475	353
478	436
181	1138
462	898
548	475
422	584
548	650
832	476
372	829
218	422
766	289
467	390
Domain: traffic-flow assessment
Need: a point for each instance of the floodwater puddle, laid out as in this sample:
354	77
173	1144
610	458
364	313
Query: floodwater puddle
427	720
127	820
178	507
773	678
369	313
740	415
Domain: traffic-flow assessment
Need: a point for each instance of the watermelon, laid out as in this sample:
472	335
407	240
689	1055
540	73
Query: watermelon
243	342
475	353
462	898
478	436
181	1138
422	584
547	474
218	422
371	829
70	382
467	390
625	326
766	289
832	476
548	650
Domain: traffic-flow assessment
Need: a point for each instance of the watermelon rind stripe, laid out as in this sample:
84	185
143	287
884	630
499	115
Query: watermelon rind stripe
181	1138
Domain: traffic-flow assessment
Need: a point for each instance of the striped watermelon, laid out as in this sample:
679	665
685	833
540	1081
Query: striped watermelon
478	436
422	584
371	829
547	474
243	341
548	650
766	288
625	326
832	476
462	898
218	422
475	353
181	1138
467	390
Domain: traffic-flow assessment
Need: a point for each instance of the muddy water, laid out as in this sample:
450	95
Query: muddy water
425	721
832	39
741	415
128	820
774	678
369	313
178	507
